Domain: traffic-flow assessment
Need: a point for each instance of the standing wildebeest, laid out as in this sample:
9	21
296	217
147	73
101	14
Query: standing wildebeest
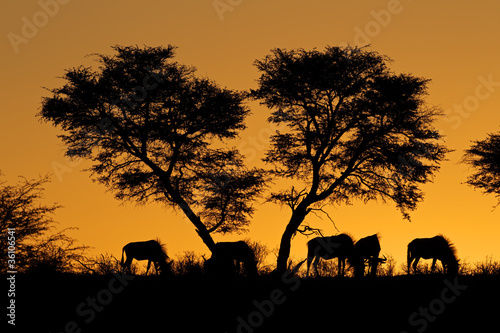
367	248
227	258
340	246
151	250
437	248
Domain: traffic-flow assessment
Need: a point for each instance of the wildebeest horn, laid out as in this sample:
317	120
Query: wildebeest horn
382	260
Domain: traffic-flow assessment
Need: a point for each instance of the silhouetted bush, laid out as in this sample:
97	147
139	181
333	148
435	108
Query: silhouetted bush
261	252
104	264
36	250
188	264
388	268
57	253
487	267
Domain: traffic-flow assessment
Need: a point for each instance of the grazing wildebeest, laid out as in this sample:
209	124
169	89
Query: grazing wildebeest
340	246
367	248
151	250
227	258
437	248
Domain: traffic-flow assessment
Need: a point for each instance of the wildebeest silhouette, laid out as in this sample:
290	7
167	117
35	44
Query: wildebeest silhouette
367	249
152	251
339	246
227	258
435	248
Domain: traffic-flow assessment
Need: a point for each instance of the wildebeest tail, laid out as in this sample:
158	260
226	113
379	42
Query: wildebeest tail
121	261
408	258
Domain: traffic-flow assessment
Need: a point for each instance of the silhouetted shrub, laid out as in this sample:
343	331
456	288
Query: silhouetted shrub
487	267
22	210
104	264
261	252
388	268
55	253
188	264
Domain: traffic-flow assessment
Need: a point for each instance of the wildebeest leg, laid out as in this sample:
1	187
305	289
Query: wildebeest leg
415	263
237	266
309	259
409	259
374	265
445	267
156	267
147	269
341	271
433	266
315	265
127	264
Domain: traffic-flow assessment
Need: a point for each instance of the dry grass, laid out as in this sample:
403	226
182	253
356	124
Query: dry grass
189	263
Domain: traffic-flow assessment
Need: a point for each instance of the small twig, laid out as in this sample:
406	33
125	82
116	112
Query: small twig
90	269
327	215
118	261
308	231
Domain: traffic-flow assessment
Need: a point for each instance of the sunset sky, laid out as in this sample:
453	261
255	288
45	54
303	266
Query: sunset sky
456	44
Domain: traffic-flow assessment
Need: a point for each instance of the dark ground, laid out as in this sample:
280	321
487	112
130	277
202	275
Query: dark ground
426	303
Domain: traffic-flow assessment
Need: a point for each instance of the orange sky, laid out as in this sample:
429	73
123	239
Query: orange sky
454	43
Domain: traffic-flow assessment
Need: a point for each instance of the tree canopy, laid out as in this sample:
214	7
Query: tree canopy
150	127
356	130
484	157
26	224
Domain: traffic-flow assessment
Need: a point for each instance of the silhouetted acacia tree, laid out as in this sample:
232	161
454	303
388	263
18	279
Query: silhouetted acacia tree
150	125
484	156
21	209
355	130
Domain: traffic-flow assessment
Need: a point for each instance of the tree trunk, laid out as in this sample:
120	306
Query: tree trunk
201	229
297	218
